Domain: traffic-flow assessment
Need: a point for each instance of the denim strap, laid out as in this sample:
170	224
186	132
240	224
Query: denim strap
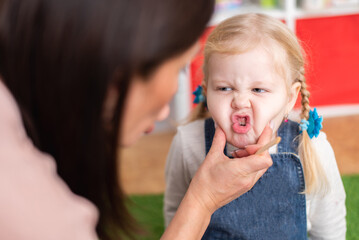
209	131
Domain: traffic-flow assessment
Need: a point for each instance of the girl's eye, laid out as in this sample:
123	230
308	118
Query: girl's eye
258	90
224	89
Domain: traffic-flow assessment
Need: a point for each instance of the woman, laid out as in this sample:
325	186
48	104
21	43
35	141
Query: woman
88	76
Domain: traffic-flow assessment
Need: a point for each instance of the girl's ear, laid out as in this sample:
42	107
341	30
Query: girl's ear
293	95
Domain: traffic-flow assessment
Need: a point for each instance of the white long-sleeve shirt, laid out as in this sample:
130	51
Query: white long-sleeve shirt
325	215
35	204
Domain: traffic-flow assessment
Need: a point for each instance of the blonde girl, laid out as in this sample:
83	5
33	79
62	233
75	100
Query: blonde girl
253	72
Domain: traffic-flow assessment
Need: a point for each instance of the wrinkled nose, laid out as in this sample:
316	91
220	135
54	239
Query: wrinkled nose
163	114
240	101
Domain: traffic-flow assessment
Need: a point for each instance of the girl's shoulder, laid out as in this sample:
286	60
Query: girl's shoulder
321	143
190	139
192	129
326	155
188	147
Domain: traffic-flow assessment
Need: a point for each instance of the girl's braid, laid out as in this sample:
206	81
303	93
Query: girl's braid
304	94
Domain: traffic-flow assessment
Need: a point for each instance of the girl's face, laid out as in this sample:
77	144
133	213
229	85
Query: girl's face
244	93
148	99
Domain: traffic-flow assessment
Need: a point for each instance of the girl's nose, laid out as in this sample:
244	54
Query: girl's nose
163	114
240	101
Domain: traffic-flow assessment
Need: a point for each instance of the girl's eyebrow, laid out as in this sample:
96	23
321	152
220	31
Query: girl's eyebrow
218	80
264	82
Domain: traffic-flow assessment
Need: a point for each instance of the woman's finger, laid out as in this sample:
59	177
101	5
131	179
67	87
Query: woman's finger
264	138
252	164
252	149
219	142
240	153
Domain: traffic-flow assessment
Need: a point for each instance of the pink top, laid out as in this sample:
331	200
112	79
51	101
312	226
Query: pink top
34	202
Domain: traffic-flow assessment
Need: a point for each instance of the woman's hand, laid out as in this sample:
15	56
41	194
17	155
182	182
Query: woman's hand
218	181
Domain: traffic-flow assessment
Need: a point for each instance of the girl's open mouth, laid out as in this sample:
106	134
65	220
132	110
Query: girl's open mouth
241	123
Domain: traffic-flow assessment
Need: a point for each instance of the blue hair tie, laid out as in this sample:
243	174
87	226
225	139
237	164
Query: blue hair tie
313	125
198	93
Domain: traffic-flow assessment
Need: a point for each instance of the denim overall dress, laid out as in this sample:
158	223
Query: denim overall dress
274	207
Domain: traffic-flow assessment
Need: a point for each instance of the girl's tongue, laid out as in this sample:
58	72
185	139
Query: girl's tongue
240	124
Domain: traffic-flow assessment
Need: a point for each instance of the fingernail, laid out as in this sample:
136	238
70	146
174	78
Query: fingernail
215	125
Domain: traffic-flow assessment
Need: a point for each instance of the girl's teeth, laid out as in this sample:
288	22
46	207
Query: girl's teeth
242	121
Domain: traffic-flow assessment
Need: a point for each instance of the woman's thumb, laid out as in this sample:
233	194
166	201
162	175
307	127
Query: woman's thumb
219	141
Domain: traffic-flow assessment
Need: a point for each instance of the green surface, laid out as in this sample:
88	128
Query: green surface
148	210
351	185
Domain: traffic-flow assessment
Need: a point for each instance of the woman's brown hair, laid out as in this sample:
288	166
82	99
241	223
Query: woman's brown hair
60	57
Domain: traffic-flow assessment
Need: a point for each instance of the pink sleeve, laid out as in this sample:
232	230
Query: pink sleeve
34	202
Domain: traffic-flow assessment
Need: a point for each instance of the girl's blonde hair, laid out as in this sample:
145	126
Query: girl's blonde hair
242	33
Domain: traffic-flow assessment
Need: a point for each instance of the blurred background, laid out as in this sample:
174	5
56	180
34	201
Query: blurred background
329	32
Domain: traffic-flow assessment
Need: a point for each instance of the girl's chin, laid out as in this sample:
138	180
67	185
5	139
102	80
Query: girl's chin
241	141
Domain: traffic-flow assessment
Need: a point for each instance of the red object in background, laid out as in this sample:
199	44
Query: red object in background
332	48
196	64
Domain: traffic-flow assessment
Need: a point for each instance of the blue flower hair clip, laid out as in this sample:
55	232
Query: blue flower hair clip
313	125
198	93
